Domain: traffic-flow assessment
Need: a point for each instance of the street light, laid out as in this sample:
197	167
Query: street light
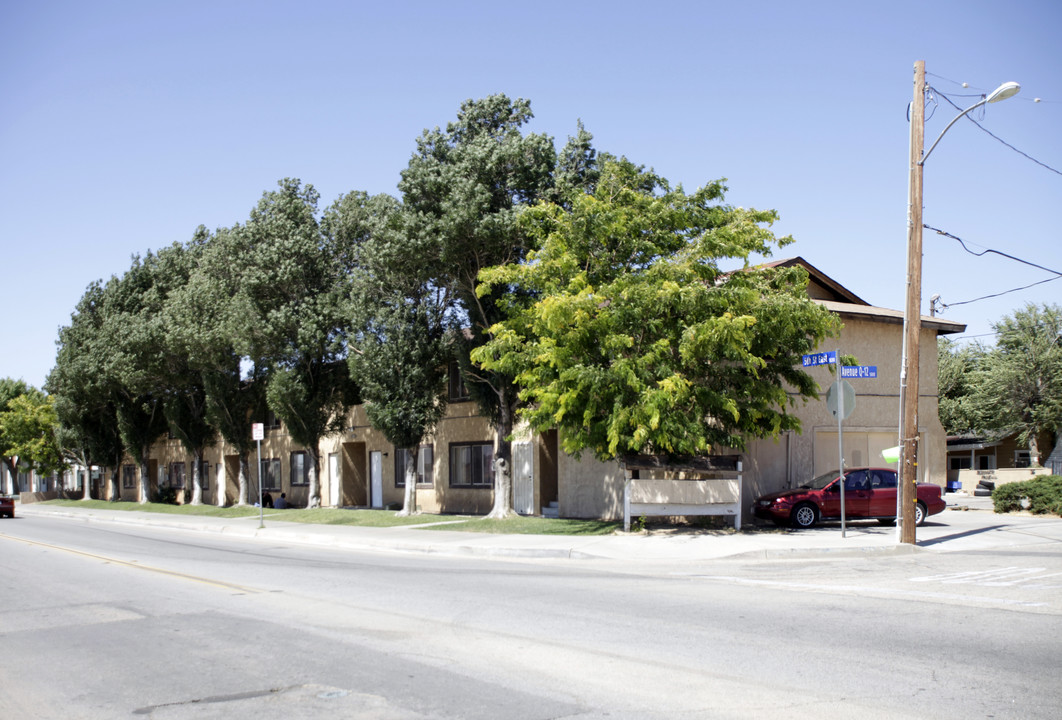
912	317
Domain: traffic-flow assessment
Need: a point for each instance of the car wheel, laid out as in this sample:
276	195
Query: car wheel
920	513
804	515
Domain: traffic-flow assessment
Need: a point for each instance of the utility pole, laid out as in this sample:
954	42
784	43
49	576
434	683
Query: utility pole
912	315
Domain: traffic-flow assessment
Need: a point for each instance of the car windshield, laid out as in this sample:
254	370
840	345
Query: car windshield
821	481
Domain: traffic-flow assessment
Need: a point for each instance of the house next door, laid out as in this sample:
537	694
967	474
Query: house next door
376	479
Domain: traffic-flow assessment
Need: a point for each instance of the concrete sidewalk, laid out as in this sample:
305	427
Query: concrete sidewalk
967	524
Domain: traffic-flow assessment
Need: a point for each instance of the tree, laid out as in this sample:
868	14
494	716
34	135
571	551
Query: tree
400	343
636	341
956	369
9	390
465	186
84	395
27	430
204	321
290	307
1018	387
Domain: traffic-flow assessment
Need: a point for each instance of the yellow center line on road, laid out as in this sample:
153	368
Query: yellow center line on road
139	566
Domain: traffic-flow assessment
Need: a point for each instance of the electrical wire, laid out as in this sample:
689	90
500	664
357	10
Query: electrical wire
1058	275
996	137
962	242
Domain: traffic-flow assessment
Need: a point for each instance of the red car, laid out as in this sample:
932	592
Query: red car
7	506
869	493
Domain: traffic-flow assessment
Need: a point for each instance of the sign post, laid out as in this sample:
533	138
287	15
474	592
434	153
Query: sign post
257	433
840	400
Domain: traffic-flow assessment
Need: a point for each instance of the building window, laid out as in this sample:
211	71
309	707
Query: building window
272	421
470	465
1022	459
425	460
270	470
129	477
204	474
458	391
177	474
959	462
300	468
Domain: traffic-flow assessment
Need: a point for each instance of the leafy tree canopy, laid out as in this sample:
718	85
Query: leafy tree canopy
27	430
637	342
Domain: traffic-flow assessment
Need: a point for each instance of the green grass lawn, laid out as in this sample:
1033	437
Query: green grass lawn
516	525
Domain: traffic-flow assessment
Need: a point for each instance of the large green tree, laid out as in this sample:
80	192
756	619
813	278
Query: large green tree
637	341
205	325
84	394
290	315
957	366
400	343
1018	386
465	186
10	388
27	430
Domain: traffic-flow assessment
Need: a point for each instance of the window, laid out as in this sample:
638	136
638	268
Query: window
470	465
129	477
300	468
270	470
1022	459
204	474
959	462
177	474
272	421
425	459
882	479
856	480
458	391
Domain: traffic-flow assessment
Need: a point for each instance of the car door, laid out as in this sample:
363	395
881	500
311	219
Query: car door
856	494
882	493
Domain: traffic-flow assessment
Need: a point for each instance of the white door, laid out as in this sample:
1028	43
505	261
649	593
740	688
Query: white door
333	479
524	477
376	479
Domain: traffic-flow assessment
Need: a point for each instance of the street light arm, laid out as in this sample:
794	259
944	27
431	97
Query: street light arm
1002	92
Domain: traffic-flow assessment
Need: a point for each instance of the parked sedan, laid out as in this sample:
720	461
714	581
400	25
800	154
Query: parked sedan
868	493
7	506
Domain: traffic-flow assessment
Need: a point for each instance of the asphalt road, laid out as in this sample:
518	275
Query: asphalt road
107	621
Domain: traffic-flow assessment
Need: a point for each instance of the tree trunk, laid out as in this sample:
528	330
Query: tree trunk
503	456
314	499
145	482
1034	450
245	471
197	480
86	489
409	501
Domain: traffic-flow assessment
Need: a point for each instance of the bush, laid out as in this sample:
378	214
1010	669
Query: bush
166	496
1043	493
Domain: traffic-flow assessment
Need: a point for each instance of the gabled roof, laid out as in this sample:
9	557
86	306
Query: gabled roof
836	297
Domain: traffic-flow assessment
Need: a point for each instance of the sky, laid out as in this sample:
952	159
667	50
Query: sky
125	125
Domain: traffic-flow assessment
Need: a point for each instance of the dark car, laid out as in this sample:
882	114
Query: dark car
7	506
869	493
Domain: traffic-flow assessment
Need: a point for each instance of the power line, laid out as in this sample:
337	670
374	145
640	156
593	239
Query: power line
996	137
1058	275
962	242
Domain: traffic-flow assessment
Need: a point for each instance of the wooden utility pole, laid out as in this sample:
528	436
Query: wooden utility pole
912	315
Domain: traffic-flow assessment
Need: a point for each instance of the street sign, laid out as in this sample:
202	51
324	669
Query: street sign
258	431
824	358
847	404
859	371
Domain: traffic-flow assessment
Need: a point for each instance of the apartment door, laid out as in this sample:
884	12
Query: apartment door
376	479
333	479
524	477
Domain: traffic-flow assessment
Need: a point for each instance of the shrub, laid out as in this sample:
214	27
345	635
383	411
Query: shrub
1044	495
166	496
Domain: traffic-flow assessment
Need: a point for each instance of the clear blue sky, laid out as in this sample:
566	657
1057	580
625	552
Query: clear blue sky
125	125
